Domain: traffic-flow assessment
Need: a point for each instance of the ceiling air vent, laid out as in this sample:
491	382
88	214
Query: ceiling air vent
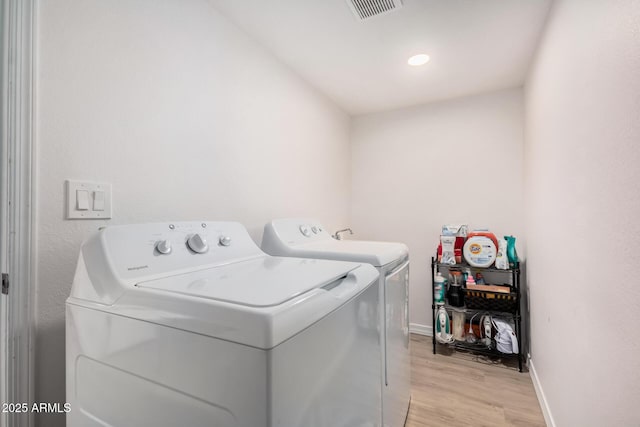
365	9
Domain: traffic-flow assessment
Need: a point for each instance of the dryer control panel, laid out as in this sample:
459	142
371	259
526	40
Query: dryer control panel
295	231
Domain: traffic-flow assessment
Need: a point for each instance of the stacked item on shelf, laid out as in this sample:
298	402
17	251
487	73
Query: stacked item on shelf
480	248
451	243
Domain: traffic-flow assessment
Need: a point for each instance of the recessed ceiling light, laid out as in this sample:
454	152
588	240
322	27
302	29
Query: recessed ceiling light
419	59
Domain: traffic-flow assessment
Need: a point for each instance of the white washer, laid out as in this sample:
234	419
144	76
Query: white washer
192	324
309	239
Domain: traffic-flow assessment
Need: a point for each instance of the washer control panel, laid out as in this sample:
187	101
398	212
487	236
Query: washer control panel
152	249
164	247
197	243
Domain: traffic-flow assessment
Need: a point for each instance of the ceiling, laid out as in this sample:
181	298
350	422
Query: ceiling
475	46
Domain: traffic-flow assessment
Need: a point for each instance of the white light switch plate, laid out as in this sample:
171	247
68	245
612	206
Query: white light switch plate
91	188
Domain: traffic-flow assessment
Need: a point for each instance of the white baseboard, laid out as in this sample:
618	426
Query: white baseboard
417	328
546	411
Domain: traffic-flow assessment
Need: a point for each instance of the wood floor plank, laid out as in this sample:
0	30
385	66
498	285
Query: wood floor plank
460	390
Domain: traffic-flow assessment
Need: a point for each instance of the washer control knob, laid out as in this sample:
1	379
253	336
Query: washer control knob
164	247
225	240
314	229
304	229
197	244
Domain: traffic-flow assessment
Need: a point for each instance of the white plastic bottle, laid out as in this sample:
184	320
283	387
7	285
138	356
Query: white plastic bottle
502	261
438	289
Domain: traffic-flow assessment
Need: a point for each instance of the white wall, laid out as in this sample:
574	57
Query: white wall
415	169
582	208
187	118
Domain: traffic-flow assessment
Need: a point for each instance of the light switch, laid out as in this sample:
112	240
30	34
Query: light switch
98	200
82	200
88	200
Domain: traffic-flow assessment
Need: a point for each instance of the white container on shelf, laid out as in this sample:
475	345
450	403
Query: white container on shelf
479	251
457	324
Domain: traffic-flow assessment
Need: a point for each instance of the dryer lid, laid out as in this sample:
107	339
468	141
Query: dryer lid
377	254
299	237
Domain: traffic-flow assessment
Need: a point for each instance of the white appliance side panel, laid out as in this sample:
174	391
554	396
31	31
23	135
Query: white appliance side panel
179	375
140	401
397	390
330	374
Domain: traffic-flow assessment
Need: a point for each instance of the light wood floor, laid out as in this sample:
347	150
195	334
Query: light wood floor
457	390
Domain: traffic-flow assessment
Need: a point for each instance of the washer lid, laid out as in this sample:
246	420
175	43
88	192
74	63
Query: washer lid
259	282
260	302
232	291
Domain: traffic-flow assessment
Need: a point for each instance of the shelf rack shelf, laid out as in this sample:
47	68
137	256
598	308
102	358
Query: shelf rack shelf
514	283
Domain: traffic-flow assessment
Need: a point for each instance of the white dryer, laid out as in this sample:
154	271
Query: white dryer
192	324
308	238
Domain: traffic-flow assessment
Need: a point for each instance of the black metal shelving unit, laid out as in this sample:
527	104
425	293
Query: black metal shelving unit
515	314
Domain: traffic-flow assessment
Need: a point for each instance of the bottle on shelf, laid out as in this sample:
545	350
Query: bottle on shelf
456	298
470	280
439	289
